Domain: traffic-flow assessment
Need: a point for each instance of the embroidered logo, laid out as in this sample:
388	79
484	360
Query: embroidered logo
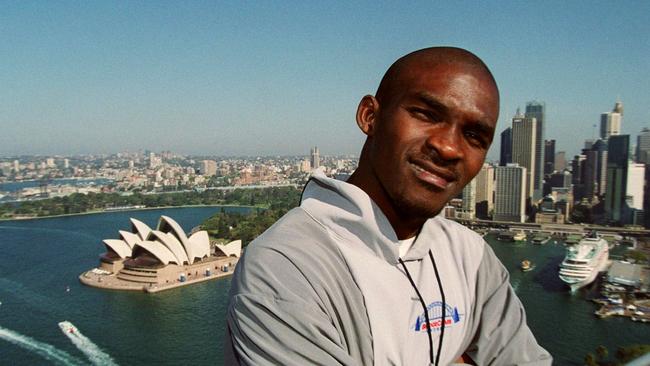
435	317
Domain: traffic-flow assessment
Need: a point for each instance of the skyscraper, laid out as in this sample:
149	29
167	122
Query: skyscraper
524	137
610	122
510	197
549	156
315	158
505	157
617	166
469	200
484	191
537	110
643	147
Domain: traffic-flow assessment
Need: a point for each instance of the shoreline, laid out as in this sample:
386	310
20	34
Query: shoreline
126	210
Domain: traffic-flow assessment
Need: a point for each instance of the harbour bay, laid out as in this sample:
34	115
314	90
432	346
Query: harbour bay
41	258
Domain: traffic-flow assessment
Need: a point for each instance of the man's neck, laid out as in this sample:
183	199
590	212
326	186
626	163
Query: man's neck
404	225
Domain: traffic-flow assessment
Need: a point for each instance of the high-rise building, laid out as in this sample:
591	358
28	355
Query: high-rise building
315	158
66	163
469	200
537	110
208	167
577	169
510	197
635	183
549	156
617	166
524	137
484	191
643	147
610	122
505	157
560	161
16	166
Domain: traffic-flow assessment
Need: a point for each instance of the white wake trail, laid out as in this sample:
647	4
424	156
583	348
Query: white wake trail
95	354
44	350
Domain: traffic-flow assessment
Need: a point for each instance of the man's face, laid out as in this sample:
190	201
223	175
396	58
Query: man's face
431	135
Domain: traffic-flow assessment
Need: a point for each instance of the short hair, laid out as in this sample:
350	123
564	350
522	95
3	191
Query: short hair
431	56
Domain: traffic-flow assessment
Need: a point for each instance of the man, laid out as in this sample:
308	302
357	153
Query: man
365	272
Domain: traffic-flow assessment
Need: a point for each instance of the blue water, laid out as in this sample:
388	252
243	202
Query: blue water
40	258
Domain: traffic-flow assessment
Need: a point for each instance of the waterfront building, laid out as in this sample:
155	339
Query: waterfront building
643	147
505	157
548	213
510	193
524	138
577	167
610	122
155	259
617	168
537	110
315	158
485	191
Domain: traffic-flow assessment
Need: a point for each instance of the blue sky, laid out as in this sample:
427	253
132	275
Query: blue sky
249	78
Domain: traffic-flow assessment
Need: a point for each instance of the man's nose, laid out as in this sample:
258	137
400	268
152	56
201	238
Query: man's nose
447	142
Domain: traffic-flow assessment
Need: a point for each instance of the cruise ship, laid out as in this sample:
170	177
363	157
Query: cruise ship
583	261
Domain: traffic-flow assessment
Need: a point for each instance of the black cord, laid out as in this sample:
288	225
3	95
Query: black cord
424	306
444	307
426	311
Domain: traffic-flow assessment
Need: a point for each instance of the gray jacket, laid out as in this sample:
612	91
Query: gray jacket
323	286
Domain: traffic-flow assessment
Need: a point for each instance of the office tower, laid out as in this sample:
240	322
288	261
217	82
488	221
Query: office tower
505	157
484	191
635	182
600	147
549	156
469	200
50	162
617	165
154	161
524	137
66	163
16	166
209	167
610	122
510	197
635	193
537	110
315	158
561	179
577	168
560	161
643	147
305	166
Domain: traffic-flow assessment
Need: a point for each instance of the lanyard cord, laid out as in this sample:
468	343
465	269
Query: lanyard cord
426	311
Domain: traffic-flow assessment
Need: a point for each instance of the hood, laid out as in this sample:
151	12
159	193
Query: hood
350	214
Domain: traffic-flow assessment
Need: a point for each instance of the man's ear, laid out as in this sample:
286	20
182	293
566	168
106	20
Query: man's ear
367	114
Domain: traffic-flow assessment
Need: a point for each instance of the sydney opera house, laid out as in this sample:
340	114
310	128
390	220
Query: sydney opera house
157	259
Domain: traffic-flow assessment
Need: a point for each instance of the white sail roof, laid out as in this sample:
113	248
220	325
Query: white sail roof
118	246
172	244
140	228
200	244
164	255
232	248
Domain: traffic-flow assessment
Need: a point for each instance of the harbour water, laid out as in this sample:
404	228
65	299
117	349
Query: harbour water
41	259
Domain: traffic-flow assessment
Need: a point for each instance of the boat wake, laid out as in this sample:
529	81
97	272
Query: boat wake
95	354
44	350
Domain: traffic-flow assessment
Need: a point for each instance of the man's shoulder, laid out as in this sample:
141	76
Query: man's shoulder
455	229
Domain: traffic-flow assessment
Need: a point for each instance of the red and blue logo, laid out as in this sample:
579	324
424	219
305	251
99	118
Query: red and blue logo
435	317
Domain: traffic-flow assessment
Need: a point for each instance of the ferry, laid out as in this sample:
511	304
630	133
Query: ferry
541	239
526	265
519	236
583	262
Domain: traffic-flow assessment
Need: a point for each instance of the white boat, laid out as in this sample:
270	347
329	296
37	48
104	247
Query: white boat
583	262
519	236
67	327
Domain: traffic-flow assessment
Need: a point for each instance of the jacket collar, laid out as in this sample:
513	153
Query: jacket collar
350	214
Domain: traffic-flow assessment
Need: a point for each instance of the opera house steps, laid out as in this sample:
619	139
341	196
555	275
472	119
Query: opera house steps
147	259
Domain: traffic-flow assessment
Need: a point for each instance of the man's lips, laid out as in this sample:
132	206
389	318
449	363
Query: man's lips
431	174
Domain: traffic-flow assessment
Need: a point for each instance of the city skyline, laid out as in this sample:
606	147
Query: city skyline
208	79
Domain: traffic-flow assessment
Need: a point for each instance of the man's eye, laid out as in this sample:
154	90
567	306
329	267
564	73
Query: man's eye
475	138
424	114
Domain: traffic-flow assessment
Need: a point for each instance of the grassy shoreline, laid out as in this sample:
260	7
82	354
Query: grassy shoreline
126	210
